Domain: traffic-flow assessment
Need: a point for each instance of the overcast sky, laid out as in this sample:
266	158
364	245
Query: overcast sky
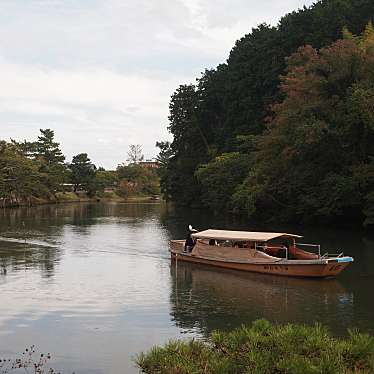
101	72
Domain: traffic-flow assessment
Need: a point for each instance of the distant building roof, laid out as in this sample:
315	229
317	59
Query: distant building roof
152	164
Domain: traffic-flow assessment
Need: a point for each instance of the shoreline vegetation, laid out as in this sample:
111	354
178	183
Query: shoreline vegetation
71	197
283	130
264	348
35	173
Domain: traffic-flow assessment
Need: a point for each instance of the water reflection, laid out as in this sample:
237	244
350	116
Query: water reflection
93	283
36	237
87	282
28	240
205	298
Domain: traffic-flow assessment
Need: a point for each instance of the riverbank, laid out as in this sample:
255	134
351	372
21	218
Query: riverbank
264	348
72	197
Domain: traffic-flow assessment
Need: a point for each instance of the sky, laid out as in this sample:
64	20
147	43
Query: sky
100	73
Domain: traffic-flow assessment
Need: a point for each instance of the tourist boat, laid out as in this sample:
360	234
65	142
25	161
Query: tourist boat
262	252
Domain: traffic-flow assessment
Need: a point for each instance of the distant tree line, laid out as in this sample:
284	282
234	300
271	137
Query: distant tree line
38	169
284	130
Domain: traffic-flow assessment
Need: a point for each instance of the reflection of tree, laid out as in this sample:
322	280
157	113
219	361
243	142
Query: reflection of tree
30	237
137	211
85	215
22	256
207	298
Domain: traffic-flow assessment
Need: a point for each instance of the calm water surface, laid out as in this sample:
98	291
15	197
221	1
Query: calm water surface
93	284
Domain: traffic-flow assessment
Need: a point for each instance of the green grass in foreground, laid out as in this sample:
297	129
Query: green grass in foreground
265	348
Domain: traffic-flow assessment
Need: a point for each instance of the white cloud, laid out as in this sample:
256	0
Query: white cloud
85	106
101	72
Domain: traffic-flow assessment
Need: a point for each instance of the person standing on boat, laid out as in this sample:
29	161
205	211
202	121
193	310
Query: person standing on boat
190	242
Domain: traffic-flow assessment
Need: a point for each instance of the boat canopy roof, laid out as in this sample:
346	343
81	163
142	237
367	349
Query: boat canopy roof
241	235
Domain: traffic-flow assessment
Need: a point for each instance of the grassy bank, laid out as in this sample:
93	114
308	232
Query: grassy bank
113	196
62	197
264	348
72	197
59	197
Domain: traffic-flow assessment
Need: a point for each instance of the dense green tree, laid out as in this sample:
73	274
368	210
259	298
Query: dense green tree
165	153
163	159
48	155
20	178
83	173
137	180
211	91
30	170
105	178
130	172
316	159
254	66
230	107
28	149
47	149
220	178
51	159
189	148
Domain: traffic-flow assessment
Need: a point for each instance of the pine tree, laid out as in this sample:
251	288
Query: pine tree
51	160
83	173
48	149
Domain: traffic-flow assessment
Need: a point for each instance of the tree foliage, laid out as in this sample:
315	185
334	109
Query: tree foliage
105	178
220	177
83	173
46	153
51	159
315	161
20	177
31	169
304	121
36	169
47	149
189	148
137	180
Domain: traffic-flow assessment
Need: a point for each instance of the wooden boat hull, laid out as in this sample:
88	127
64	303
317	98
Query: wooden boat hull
291	268
329	269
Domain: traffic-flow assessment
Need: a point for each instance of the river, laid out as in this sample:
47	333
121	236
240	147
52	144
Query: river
93	284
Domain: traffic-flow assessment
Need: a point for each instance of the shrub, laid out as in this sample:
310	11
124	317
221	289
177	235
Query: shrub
264	348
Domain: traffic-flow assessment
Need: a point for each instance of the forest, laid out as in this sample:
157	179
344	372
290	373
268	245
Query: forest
283	130
37	171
